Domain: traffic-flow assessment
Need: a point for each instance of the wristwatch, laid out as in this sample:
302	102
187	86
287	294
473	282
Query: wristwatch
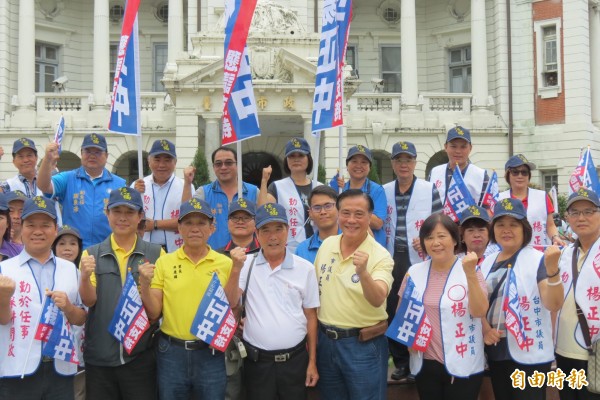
155	225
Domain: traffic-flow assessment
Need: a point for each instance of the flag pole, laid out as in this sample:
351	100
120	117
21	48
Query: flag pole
316	153
341	136
585	170
239	168
140	156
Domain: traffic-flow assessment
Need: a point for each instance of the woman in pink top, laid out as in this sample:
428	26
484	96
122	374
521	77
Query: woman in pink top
453	296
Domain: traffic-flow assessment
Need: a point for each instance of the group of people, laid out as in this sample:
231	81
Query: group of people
314	273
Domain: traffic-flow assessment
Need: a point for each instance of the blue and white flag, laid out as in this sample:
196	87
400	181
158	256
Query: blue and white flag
490	197
60	132
125	110
214	322
512	309
585	175
47	320
240	115
328	98
60	344
410	325
458	197
130	321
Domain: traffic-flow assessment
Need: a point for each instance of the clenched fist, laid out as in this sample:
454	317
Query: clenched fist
88	266
469	263
146	271
140	186
188	174
238	256
360	259
52	153
7	287
551	257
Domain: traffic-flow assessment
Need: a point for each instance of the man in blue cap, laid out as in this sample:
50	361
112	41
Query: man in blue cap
83	192
25	281
111	373
161	192
458	147
15	201
410	201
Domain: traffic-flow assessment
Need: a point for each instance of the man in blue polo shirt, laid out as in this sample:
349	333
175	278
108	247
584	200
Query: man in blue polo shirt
83	192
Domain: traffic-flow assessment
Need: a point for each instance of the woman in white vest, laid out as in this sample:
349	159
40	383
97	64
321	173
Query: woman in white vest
292	192
537	202
528	281
454	296
582	290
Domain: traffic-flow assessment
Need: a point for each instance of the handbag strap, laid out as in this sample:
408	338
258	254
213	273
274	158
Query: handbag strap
585	330
243	309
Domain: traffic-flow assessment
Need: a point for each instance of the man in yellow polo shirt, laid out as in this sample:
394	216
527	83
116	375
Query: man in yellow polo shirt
111	373
188	367
355	276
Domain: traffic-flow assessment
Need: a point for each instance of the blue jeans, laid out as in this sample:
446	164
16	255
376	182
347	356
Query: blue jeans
189	374
349	369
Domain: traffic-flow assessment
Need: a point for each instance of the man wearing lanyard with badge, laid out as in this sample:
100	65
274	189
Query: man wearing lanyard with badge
161	192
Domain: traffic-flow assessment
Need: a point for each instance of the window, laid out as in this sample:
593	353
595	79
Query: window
160	61
114	52
46	67
116	12
550	178
162	12
460	70
351	59
390	69
548	57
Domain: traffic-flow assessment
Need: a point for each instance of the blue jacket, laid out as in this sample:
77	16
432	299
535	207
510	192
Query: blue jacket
84	201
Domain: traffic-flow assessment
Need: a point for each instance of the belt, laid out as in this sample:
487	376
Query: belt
46	359
400	249
336	333
186	344
279	355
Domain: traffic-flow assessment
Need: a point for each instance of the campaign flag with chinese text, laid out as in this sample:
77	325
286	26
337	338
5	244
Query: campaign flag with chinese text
60	131
130	321
410	325
512	309
328	98
240	116
585	174
47	320
458	197
60	344
490	197
125	109
214	322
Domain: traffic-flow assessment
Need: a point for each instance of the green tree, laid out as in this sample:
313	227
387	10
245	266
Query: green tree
374	176
202	176
321	175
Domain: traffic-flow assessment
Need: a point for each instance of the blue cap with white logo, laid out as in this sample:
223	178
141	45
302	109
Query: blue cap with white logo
125	196
242	205
404	148
511	207
458	132
163	146
297	145
195	205
39	205
270	212
359	150
23	143
94	140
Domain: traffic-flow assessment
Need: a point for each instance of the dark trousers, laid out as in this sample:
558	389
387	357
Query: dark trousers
45	384
434	383
270	380
398	351
566	365
132	381
500	372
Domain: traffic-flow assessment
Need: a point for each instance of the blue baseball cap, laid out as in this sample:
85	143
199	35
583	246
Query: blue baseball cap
163	146
94	140
404	148
474	212
583	194
3	202
511	207
270	212
39	205
125	196
297	145
15	195
360	150
23	143
242	205
195	205
458	132
518	160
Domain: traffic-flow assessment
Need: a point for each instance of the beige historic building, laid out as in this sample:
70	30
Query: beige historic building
416	68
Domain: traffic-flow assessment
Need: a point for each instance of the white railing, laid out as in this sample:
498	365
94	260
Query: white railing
62	102
444	102
375	102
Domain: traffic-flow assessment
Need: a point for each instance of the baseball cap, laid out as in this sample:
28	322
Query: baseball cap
474	212
583	194
94	140
163	146
359	150
125	196
68	230
511	207
518	160
242	205
458	132
23	143
195	205
297	145
3	202
39	205
15	195
404	148
270	212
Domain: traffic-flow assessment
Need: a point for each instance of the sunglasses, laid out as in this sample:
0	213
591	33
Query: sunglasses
515	172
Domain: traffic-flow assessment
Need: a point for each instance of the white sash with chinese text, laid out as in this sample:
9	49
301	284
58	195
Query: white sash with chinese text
26	305
462	335
419	208
537	214
473	178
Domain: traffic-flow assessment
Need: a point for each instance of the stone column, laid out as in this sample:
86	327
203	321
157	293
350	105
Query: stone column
102	84
26	55
479	55
175	32
595	61
212	141
408	33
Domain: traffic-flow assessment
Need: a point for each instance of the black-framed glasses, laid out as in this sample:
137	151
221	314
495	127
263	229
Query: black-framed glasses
588	212
515	172
326	207
219	164
241	218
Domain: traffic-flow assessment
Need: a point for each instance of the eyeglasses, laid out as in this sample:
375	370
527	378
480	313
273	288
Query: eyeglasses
219	164
588	212
326	207
92	152
515	172
243	219
404	160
